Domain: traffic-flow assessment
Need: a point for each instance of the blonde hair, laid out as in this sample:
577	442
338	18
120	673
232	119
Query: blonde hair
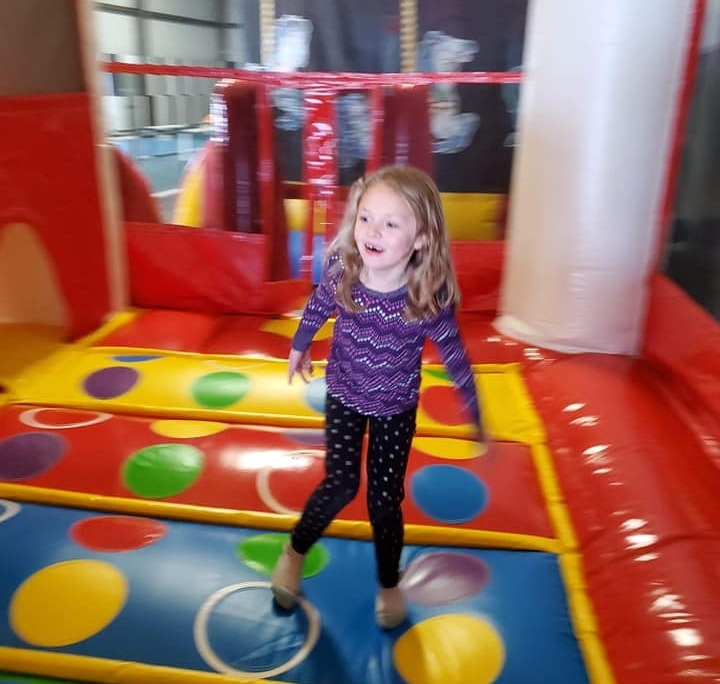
431	281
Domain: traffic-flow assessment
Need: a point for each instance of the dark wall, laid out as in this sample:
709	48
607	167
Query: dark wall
693	250
34	48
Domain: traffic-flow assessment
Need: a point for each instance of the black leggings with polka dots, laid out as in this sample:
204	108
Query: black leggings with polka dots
389	443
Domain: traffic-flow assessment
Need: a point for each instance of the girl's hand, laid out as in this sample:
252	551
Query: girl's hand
299	362
480	436
488	449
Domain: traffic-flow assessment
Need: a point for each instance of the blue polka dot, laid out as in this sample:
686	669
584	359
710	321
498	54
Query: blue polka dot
448	494
135	358
315	395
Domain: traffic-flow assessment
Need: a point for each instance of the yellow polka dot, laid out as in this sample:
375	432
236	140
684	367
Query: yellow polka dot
446	447
187	428
450	649
68	602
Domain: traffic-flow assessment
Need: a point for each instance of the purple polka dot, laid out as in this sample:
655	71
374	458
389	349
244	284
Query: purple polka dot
444	577
135	358
306	437
29	455
108	383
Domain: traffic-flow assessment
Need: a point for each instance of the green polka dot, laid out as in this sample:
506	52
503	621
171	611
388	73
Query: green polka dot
261	552
441	374
162	470
221	389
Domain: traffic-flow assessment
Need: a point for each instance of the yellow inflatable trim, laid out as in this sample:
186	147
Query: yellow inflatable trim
570	560
170	385
421	535
584	621
87	668
469	215
115	322
571	569
189	205
554	501
23	344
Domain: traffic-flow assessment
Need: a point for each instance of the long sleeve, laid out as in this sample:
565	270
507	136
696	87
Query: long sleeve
446	335
320	306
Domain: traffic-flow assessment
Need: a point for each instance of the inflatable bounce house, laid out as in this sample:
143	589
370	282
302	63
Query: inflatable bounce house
153	456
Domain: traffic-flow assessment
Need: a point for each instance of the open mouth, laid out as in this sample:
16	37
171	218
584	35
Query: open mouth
375	249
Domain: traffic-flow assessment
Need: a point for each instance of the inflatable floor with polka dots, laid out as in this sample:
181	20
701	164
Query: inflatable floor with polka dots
150	474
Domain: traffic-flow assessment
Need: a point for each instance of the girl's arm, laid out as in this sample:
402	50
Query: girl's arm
299	362
320	306
446	335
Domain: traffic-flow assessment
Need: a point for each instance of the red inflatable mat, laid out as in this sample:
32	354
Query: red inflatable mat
265	470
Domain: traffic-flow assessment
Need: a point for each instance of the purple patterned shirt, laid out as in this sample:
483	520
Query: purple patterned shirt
375	355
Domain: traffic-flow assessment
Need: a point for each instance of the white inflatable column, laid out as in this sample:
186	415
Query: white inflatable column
597	108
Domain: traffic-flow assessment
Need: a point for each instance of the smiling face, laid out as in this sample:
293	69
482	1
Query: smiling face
386	235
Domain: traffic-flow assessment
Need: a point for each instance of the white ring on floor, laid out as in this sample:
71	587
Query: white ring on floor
28	418
262	483
12	508
211	658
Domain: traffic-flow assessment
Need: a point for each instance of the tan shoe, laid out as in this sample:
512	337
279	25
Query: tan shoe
390	610
285	579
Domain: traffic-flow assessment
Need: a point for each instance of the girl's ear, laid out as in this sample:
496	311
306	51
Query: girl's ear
420	242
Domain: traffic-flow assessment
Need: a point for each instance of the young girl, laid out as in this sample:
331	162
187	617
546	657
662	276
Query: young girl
389	279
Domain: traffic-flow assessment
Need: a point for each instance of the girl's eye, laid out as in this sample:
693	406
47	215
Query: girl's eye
363	219
391	224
